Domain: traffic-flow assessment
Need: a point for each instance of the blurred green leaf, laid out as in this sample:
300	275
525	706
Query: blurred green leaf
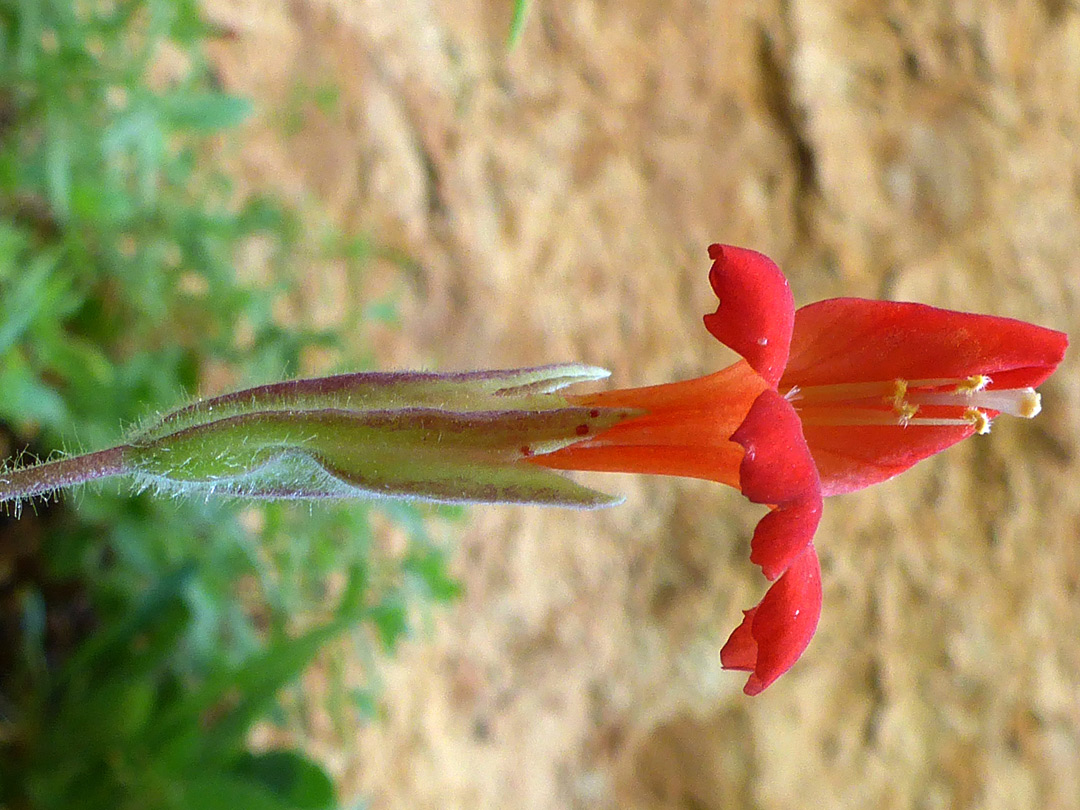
246	693
327	98
204	111
29	34
291	777
391	619
517	23
366	704
429	566
227	792
33	619
26	398
105	648
383	311
37	288
58	163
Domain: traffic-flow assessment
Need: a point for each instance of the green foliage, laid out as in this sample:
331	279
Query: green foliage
117	726
517	23
117	249
118	240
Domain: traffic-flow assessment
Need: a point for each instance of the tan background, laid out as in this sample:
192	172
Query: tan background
558	201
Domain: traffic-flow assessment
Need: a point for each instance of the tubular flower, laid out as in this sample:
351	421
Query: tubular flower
828	399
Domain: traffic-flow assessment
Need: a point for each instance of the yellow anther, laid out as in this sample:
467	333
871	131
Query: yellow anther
905	412
973	384
979	419
899	392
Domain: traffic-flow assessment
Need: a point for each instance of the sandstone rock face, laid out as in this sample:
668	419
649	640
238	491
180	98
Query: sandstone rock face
557	201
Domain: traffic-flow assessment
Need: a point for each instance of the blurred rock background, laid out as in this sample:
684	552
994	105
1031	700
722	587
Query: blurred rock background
558	200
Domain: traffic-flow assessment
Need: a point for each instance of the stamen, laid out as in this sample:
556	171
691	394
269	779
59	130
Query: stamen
973	384
1023	402
862	403
841	391
976	382
979	419
865	416
905	412
889	390
899	390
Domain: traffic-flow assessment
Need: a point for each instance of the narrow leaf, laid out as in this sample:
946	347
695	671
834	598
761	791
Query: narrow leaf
517	23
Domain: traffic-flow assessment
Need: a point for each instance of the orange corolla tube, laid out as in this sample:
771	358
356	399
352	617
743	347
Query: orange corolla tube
828	399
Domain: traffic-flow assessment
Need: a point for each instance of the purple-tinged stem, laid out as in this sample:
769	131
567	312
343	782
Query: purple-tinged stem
39	479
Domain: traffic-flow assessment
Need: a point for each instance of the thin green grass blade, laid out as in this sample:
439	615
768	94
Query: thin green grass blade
517	23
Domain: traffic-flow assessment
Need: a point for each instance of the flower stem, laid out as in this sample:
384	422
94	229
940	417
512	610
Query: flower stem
40	479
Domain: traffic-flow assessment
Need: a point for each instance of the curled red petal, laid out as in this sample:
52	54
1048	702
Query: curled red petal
774	634
782	534
756	313
777	466
778	469
741	650
855	340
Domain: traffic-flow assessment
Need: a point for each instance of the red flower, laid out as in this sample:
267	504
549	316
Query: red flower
829	399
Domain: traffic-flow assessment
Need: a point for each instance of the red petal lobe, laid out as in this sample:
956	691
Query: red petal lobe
855	340
740	651
777	469
851	340
784	533
774	634
853	457
777	466
756	312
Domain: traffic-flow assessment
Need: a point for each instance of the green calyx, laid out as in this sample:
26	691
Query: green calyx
441	437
